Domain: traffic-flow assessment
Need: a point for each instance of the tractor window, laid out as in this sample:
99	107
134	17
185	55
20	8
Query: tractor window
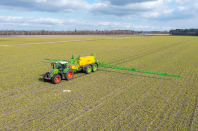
58	66
64	66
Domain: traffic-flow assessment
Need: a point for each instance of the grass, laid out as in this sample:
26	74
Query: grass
107	99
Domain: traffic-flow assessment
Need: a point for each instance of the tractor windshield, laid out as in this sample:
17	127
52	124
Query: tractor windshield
58	66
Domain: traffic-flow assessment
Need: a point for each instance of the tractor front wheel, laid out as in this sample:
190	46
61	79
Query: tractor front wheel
46	75
69	74
56	79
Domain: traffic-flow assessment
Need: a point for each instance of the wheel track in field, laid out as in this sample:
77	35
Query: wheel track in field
169	54
195	112
130	58
148	53
166	101
184	88
195	108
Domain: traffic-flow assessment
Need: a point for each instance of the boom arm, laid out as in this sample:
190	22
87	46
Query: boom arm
105	65
53	59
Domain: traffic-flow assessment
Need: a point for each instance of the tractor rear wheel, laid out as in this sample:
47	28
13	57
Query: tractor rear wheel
94	67
88	69
69	74
56	79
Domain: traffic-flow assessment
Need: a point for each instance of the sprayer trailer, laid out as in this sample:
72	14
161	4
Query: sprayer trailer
65	69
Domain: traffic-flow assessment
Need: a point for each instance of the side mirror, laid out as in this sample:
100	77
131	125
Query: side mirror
52	64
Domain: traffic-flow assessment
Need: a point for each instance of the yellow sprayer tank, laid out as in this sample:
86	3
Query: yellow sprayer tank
86	60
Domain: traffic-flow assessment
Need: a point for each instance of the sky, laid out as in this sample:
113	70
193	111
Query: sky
138	15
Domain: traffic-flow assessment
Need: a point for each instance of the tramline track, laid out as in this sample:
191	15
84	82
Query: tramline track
184	88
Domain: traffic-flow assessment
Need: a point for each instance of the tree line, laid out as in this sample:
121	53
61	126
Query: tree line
190	32
75	32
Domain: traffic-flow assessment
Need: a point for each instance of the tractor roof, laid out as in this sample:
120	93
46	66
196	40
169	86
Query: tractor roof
62	62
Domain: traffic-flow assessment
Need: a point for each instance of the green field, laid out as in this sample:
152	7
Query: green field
108	99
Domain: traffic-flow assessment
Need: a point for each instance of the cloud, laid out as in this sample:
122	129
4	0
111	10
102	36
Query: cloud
123	10
40	1
181	2
167	28
50	22
44	5
70	24
126	2
157	10
181	12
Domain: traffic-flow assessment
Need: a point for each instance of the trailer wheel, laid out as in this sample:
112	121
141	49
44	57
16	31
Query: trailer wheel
69	74
88	69
56	79
94	67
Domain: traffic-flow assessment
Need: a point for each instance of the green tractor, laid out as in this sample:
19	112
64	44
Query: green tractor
60	71
65	69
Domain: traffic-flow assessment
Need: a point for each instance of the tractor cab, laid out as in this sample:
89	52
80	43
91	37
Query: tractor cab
61	65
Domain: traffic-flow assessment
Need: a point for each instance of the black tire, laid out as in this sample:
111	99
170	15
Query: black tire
88	69
69	74
94	67
45	80
56	79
